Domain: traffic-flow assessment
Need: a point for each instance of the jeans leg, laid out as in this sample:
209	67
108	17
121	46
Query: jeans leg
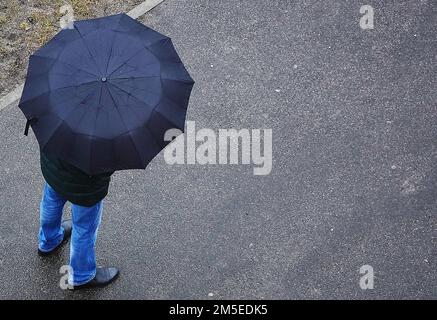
51	232
86	221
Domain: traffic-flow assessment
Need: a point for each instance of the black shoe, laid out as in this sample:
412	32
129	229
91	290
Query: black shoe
104	276
68	226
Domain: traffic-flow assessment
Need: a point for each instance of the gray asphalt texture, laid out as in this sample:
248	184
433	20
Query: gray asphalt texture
354	177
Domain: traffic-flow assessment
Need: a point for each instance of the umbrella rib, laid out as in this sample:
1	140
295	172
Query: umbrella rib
63	119
112	45
175	125
130	94
110	54
183	70
54	90
135	67
133	88
86	46
130	58
154	138
116	69
139	38
94	130
66	63
134	78
154	43
179	80
176	103
141	102
100	96
124	124
131	108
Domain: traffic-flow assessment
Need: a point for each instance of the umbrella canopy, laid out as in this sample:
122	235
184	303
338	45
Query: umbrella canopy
102	95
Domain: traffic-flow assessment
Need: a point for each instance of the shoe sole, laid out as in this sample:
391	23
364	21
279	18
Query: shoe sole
95	286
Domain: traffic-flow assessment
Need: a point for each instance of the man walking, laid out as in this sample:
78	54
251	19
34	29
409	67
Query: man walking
99	98
65	183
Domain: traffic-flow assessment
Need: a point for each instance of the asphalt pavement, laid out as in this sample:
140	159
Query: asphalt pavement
354	178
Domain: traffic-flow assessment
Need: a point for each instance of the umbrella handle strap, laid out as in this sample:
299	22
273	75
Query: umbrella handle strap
26	129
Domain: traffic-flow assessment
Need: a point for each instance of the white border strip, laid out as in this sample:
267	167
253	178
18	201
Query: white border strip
135	13
12	96
143	7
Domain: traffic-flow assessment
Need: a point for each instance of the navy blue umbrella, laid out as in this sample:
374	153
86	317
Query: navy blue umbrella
102	95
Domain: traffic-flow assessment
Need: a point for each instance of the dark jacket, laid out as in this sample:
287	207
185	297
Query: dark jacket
73	184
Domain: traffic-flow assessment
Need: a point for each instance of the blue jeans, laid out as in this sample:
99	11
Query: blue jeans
86	221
